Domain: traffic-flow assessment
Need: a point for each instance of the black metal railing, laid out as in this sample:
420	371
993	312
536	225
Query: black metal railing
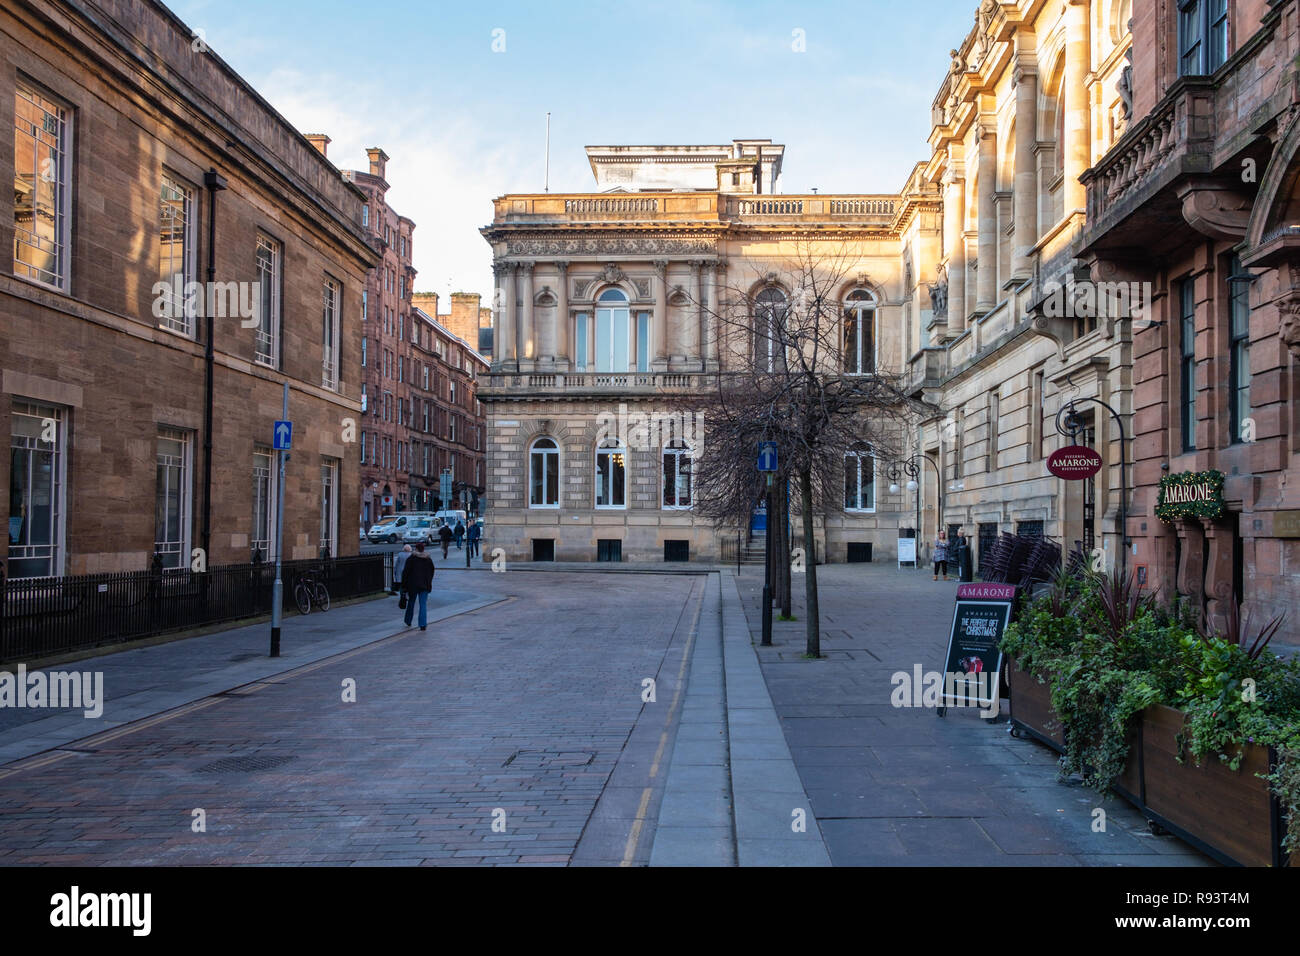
43	616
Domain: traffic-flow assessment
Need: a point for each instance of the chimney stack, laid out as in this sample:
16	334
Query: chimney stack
378	161
320	141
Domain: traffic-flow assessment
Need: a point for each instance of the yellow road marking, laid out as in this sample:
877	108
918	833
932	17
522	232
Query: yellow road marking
634	837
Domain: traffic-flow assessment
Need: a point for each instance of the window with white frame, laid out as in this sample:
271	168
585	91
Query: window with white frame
363	434
175	255
677	475
611	475
37	489
42	143
330	334
643	342
270	256
859	480
329	506
264	478
365	305
544	474
612	318
860	333
172	498
770	309
364	343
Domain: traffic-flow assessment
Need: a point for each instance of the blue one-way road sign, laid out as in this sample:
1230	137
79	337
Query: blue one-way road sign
283	436
767	456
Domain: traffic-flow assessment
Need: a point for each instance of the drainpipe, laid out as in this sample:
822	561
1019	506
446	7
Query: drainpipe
213	183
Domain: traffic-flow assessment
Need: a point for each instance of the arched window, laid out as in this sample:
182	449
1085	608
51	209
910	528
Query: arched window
612	328
859	480
677	475
860	332
611	475
544	474
770	310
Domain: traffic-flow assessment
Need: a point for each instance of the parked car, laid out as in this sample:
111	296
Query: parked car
386	529
419	529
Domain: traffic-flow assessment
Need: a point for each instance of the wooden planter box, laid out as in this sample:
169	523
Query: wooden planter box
1031	707
1031	710
1230	814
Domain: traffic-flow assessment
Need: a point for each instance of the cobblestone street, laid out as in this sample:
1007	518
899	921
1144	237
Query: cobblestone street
517	714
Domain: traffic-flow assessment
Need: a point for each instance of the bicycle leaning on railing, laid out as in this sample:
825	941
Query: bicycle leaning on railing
310	589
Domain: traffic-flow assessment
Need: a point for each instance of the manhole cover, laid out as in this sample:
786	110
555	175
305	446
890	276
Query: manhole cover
249	764
548	759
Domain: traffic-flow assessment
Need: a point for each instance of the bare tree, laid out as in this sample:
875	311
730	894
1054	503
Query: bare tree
793	372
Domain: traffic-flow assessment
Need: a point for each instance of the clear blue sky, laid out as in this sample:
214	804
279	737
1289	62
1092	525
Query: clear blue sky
463	124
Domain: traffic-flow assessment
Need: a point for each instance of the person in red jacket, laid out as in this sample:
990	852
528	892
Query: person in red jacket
417	582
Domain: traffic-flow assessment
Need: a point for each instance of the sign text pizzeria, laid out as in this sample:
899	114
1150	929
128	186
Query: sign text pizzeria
1074	462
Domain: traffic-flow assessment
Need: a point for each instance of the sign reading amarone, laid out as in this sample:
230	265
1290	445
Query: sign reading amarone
1190	494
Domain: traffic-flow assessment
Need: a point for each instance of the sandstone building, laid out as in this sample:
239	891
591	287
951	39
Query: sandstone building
608	307
154	169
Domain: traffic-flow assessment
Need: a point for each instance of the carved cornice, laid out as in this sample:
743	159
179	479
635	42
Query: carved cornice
609	246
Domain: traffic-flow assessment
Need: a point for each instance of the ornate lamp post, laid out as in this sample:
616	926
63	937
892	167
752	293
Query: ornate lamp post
1070	424
911	467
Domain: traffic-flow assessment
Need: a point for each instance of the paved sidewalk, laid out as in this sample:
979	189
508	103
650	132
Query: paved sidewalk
143	681
901	786
733	795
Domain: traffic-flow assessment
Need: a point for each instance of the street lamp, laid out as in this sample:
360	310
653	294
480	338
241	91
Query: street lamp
911	467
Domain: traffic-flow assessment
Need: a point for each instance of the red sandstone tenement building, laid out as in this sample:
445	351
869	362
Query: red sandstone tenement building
158	168
387	358
446	426
1201	197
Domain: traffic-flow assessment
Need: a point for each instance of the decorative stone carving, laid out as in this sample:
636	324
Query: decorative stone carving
648	246
939	294
1289	310
612	274
661	267
1124	86
580	287
1215	211
642	287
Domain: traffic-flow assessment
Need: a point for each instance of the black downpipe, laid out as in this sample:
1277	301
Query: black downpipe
214	183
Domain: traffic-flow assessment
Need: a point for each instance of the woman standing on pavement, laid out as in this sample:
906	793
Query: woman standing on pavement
941	555
399	562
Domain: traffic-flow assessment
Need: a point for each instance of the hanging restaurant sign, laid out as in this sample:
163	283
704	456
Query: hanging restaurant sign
1190	494
1074	462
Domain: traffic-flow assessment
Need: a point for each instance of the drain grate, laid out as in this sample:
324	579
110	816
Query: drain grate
548	759
253	763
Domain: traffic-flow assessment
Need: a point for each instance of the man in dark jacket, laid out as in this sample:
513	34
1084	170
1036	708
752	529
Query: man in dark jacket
474	533
417	582
444	535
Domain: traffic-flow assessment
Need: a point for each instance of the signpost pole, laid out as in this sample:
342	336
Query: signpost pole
277	589
767	579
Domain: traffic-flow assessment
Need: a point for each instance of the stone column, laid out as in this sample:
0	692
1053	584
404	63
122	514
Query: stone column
527	343
660	361
562	347
697	308
1025	195
713	327
706	307
986	278
503	338
1074	87
954	246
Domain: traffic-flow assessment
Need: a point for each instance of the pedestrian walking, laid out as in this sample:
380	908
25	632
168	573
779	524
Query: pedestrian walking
444	535
399	562
475	532
460	533
941	555
417	582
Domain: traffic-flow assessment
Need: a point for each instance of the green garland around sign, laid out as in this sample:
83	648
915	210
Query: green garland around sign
1209	508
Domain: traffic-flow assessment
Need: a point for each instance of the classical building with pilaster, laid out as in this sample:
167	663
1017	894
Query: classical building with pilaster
1036	93
607	307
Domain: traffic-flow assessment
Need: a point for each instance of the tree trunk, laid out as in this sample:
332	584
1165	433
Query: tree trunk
811	614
